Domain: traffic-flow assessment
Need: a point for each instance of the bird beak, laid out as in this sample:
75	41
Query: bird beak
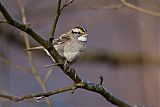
85	35
83	38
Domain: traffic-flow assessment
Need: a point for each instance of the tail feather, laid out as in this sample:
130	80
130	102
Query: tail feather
34	48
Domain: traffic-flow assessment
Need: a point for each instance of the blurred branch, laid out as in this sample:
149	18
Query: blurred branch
140	9
122	58
4	73
129	5
58	13
48	74
27	43
18	67
116	6
64	67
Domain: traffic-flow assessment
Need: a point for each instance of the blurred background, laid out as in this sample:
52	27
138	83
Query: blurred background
123	46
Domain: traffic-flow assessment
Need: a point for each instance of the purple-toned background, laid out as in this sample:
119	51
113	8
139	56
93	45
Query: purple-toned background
121	31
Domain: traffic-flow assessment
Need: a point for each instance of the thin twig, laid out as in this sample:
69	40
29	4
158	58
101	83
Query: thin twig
139	9
55	20
67	3
27	43
58	13
101	79
37	96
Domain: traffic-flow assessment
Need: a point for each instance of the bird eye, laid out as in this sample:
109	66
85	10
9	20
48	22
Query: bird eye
78	33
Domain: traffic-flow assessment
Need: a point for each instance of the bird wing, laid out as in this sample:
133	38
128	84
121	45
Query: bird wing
63	38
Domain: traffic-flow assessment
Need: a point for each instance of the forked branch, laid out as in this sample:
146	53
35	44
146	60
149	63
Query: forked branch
58	13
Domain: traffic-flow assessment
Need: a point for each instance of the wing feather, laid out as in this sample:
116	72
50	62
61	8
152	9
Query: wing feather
63	38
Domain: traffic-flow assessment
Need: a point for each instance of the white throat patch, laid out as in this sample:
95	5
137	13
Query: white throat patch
82	38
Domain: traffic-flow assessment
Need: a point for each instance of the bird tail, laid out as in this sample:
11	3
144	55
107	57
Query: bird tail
34	48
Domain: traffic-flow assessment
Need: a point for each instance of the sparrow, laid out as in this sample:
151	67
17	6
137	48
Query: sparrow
71	45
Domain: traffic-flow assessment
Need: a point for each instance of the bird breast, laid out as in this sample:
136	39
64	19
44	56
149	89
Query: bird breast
72	51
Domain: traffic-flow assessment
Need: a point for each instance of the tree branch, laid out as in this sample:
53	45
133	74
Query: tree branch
106	94
37	96
67	70
142	10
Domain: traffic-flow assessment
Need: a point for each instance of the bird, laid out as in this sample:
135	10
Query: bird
71	45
